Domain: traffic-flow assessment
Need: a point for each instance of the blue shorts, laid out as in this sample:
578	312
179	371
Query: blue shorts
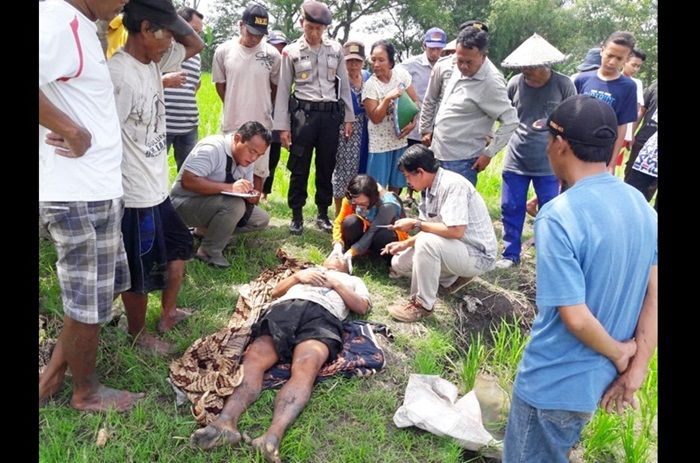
384	168
154	236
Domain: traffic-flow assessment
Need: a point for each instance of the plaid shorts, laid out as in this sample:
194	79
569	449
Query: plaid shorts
91	264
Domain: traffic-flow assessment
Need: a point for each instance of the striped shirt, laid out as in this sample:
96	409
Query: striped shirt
454	201
181	115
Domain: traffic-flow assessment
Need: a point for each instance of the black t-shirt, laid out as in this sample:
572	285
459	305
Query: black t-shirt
649	126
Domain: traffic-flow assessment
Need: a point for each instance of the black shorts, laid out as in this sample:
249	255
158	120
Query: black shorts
154	236
295	320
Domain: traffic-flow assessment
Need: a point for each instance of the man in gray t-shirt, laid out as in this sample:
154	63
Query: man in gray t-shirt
535	92
214	189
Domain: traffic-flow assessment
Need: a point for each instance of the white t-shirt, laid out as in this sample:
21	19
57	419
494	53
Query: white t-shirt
248	74
73	75
326	297
640	102
382	136
138	92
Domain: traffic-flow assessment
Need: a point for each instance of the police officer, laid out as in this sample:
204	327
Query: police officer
321	101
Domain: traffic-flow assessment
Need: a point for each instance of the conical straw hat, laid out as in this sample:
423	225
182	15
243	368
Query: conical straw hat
533	52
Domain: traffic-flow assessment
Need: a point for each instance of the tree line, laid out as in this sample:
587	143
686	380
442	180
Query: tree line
573	26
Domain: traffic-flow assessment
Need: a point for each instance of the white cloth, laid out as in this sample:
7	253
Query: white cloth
382	136
73	75
326	297
138	93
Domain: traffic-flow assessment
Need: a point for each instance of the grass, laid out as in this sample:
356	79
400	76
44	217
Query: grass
347	420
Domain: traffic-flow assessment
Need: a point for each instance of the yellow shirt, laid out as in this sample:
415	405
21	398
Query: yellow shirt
116	35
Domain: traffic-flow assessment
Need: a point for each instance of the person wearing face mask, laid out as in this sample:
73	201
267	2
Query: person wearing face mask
361	226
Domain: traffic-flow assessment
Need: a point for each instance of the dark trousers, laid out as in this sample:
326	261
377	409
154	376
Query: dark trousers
352	231
275	148
183	144
319	130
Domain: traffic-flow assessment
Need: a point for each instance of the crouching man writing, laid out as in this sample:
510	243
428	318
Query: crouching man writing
303	325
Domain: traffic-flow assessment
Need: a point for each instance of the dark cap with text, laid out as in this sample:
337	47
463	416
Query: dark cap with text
316	12
582	119
159	12
255	19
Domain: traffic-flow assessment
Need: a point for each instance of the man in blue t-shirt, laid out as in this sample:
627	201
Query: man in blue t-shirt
608	84
595	330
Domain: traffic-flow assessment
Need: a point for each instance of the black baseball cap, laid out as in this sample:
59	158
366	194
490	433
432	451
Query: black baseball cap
255	19
582	119
159	12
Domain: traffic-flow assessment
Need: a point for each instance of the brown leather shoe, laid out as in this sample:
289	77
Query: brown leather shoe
411	312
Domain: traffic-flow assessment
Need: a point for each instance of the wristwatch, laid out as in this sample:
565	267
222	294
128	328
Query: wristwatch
418	225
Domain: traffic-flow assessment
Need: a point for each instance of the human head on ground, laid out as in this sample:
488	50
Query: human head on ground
193	17
616	49
250	142
419	166
253	25
434	41
152	25
315	17
472	47
363	191
634	62
337	262
582	130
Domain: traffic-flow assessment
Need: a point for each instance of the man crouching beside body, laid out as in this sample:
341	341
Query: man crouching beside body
455	240
304	326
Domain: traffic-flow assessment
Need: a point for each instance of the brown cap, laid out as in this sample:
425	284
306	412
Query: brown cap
354	50
316	12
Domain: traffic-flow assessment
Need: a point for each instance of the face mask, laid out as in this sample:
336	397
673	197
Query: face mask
361	211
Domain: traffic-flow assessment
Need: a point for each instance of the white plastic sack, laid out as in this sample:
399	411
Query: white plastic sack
431	404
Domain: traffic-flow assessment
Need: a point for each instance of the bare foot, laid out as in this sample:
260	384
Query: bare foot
167	323
153	345
105	398
211	436
269	446
48	386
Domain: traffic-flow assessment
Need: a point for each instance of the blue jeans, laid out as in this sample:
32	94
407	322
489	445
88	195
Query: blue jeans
183	144
513	201
463	167
535	435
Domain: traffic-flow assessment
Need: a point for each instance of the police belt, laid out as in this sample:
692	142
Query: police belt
320	106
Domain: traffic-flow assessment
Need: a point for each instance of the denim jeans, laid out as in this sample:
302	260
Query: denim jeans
513	201
463	167
536	435
183	144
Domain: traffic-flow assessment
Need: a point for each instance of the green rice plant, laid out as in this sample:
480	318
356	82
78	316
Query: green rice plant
635	443
472	362
508	345
600	436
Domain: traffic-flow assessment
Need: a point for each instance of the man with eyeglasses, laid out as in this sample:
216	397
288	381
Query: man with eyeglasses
214	189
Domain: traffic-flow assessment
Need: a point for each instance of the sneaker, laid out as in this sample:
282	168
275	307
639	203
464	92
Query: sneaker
296	226
459	283
324	223
411	312
216	260
504	263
